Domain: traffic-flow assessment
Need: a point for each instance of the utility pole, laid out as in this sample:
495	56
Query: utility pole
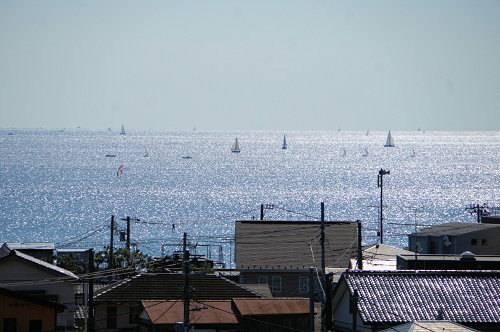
360	248
262	212
480	210
185	271
380	183
110	256
311	300
128	237
328	304
354	311
91	317
323	265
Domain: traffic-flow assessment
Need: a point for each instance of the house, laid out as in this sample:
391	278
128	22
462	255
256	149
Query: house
240	314
432	325
380	257
280	253
465	261
455	238
23	273
37	250
22	312
117	305
377	300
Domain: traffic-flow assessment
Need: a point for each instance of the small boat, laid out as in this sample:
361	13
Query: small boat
187	157
284	143
389	142
111	155
366	153
122	132
146	153
344	153
413	153
236	146
367	132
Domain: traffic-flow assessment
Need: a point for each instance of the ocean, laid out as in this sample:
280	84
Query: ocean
59	186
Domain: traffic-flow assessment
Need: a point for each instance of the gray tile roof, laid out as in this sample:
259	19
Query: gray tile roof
393	297
170	286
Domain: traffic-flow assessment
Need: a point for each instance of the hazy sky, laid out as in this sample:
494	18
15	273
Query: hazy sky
236	65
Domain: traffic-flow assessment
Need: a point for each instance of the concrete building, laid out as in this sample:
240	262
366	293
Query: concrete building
456	238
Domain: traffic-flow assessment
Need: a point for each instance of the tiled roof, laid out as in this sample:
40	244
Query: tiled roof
170	286
430	326
261	289
455	228
459	296
287	245
14	254
274	306
205	312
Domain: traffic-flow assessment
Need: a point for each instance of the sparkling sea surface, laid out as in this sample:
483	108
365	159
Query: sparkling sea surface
59	186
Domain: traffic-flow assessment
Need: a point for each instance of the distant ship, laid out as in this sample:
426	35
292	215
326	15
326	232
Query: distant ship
122	132
284	143
236	146
390	141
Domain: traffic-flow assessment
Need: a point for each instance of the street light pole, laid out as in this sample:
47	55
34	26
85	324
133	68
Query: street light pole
380	183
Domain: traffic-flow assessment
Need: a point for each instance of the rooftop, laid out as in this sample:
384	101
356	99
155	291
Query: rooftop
455	228
402	296
169	286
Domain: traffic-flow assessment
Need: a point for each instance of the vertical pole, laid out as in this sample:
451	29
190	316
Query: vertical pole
328	304
323	265
360	248
354	310
262	212
381	207
311	300
91	318
128	233
185	271
322	238
110	256
479	211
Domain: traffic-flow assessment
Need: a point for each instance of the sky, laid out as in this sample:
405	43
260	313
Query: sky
250	65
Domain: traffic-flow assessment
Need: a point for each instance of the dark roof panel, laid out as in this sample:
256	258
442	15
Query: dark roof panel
170	286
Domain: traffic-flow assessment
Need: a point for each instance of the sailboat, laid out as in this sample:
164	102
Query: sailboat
366	153
344	153
146	154
284	143
413	153
389	142
367	132
236	146
122	132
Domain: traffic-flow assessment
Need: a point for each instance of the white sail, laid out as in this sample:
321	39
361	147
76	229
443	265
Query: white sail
389	142
284	143
344	153
366	153
236	146
122	132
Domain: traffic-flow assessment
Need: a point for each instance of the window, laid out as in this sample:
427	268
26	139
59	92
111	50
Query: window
484	242
262	279
473	242
9	325
36	325
111	318
303	285
276	286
